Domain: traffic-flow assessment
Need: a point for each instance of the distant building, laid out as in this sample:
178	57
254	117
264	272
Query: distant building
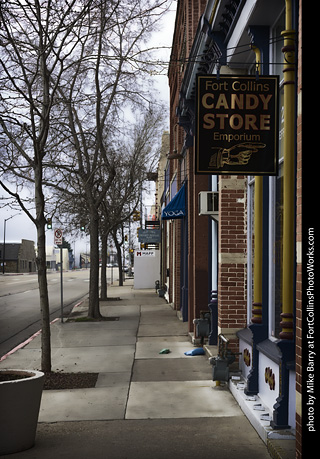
84	260
53	258
18	257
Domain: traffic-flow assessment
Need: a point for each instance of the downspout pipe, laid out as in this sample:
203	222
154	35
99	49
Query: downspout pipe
288	177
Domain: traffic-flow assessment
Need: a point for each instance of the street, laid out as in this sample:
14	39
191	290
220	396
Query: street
20	304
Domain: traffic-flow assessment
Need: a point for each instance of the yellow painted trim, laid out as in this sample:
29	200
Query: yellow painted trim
288	176
214	9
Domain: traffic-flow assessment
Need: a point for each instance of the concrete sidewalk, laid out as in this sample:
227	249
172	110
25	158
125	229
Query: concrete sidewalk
145	404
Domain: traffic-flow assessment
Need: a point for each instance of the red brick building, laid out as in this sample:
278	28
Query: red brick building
250	255
187	237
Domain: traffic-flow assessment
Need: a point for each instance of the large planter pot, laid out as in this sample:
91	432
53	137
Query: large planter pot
20	398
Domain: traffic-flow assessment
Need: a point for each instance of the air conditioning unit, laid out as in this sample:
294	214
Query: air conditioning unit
209	203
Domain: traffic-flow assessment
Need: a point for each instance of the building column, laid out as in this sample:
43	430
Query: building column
198	290
286	344
258	233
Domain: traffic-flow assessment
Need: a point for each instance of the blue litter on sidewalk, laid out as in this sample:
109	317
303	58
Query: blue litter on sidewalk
197	351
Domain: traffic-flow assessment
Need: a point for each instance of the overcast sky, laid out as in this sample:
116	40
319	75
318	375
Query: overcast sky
18	226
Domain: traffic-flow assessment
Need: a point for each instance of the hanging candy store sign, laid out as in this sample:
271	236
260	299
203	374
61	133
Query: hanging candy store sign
237	125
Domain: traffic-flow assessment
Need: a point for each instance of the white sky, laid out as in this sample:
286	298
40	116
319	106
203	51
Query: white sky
20	226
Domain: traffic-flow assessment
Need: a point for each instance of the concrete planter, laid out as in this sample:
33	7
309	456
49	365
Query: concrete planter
20	398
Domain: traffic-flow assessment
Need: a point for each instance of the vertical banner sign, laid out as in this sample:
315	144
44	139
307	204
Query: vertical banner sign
237	125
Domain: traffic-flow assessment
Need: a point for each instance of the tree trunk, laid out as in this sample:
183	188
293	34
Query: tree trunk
44	302
118	247
94	307
103	293
42	274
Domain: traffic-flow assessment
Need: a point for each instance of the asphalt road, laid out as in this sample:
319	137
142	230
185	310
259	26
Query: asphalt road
20	304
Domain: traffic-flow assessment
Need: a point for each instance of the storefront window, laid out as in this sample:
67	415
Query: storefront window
276	46
174	187
275	229
278	249
166	184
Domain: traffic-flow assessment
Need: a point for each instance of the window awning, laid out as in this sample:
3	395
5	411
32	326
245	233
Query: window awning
176	207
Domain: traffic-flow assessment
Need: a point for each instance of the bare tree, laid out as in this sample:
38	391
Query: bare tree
97	97
70	70
124	191
36	39
124	194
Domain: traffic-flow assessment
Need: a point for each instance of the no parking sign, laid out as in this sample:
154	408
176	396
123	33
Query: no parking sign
58	236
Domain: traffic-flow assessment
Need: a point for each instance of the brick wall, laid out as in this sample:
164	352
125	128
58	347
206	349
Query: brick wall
232	304
177	280
187	20
199	232
175	263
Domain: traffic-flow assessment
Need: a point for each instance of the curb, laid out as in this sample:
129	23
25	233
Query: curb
282	449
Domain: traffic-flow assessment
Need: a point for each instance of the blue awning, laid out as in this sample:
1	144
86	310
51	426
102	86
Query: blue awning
176	207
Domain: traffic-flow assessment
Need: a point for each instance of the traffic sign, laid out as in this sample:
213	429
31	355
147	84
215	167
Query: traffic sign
58	236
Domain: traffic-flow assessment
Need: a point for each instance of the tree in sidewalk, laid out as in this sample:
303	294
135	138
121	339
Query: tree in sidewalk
132	169
124	192
36	41
103	89
70	70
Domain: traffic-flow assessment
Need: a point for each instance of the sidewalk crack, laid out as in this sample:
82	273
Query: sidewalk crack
133	360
